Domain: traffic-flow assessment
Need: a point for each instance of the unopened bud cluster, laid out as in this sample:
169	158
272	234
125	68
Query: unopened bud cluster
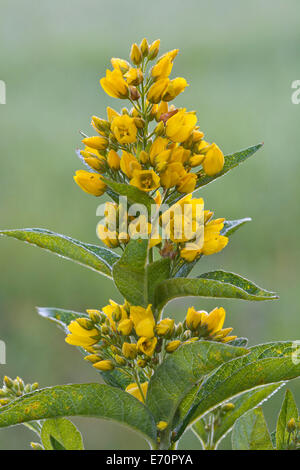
13	389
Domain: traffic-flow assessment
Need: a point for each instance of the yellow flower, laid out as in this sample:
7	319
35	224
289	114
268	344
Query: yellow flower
173	345
214	160
91	183
108	237
145	180
165	327
147	345
113	160
143	320
154	49
129	350
180	126
100	125
80	336
193	318
172	175
135	54
124	129
158	146
125	327
163	68
112	310
111	114
187	184
120	64
134	390
162	425
105	365
213	241
196	160
157	90
129	164
134	76
94	159
144	47
175	87
97	142
114	84
209	325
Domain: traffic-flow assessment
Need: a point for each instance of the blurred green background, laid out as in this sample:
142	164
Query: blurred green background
240	59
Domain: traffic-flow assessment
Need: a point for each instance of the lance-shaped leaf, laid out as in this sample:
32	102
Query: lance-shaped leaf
266	364
63	432
92	256
231	161
181	371
63	318
251	432
230	226
241	405
134	195
216	284
89	400
288	411
134	278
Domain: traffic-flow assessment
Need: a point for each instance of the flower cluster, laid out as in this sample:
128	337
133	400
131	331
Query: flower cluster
13	389
130	339
129	148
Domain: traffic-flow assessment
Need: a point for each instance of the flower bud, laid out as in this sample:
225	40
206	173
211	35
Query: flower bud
8	382
105	365
113	160
160	129
165	327
129	350
144	157
154	49
139	122
120	360
93	358
120	64
135	54
144	47
228	407
291	425
85	323
134	76
101	125
94	315
134	93
96	142
173	345
162	425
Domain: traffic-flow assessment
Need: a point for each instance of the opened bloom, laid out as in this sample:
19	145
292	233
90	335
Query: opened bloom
80	336
180	126
124	129
214	160
114	84
146	180
143	320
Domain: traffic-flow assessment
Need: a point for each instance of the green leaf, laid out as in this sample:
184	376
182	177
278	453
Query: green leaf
63	318
230	226
134	278
89	400
266	364
231	161
92	256
134	195
242	404
288	411
182	370
251	432
216	284
63	432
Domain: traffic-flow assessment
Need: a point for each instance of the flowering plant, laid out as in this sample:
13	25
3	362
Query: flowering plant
161	377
